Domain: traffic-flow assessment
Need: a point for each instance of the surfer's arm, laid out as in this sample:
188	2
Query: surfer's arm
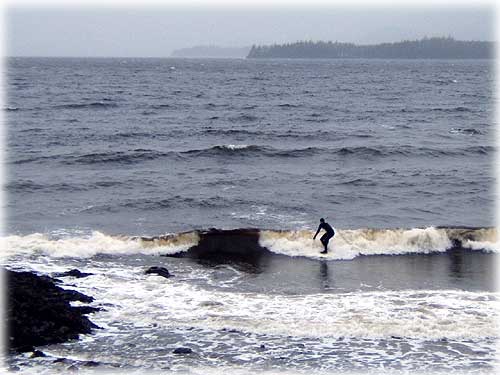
319	228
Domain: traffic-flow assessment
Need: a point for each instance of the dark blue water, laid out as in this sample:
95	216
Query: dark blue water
148	146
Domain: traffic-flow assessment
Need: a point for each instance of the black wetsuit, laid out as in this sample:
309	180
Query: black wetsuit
325	238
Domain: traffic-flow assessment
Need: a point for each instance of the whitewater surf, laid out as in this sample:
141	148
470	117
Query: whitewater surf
242	296
347	244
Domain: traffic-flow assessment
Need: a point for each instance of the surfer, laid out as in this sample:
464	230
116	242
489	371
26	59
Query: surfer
325	237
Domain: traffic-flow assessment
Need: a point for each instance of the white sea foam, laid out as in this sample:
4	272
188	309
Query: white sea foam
482	245
423	314
350	243
234	147
82	246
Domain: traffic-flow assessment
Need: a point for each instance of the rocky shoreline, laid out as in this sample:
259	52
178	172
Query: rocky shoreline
39	312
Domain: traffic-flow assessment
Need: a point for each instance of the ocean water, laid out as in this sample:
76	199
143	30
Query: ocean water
115	165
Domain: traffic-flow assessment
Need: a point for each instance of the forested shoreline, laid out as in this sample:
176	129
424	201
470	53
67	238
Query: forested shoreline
426	48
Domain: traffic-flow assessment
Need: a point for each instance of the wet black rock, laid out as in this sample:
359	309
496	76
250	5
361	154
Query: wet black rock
61	360
182	351
39	312
73	295
74	273
38	354
90	364
25	348
161	271
87	309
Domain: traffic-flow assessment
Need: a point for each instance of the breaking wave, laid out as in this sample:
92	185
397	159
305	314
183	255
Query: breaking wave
351	243
230	149
347	243
86	246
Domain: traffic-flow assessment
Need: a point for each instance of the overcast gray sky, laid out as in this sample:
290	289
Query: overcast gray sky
156	32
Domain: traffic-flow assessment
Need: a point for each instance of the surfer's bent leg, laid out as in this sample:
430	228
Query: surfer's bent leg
324	240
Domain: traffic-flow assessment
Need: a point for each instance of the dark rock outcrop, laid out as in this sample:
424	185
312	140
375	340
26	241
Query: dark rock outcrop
39	312
73	273
91	364
61	360
182	351
87	309
161	271
38	354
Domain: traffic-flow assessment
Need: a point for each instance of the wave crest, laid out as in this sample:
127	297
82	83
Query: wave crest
103	104
86	246
350	243
347	243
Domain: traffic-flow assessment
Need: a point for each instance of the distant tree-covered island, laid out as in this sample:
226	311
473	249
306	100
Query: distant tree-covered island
426	48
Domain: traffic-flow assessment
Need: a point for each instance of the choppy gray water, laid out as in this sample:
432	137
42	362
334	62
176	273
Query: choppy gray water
147	146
